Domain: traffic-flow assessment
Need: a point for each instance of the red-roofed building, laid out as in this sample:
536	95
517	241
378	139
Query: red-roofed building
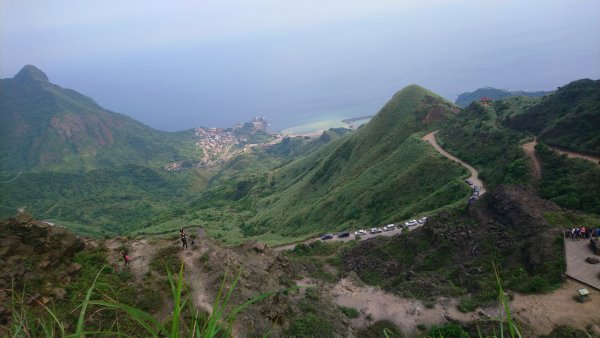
485	101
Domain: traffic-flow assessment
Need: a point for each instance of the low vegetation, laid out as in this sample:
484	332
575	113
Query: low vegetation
477	136
571	183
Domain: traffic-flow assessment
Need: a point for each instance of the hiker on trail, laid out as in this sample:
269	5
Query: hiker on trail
184	242
125	259
183	239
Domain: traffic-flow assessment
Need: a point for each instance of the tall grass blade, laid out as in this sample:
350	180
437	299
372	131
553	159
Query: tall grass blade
177	306
146	320
53	316
504	302
79	329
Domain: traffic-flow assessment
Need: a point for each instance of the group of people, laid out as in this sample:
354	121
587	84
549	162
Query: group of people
583	232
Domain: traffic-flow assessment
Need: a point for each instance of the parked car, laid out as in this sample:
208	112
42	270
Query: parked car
389	227
326	237
422	220
360	232
412	222
343	234
375	230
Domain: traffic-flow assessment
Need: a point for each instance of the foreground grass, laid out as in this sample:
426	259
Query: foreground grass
26	323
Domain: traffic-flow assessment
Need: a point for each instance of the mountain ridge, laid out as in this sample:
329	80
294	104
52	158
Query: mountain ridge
466	98
45	126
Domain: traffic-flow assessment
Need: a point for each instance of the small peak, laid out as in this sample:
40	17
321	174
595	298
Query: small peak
31	73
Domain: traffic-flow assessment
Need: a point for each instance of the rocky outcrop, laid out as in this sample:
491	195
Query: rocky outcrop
507	225
35	257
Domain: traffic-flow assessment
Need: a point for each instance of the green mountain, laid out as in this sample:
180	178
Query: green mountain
466	98
490	137
568	118
44	126
381	173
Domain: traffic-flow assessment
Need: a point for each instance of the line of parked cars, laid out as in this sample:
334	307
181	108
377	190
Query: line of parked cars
377	230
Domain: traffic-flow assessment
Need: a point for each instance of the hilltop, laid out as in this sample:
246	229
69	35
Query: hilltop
569	118
466	98
380	173
46	127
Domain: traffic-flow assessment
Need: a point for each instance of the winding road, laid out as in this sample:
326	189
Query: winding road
529	149
474	178
397	230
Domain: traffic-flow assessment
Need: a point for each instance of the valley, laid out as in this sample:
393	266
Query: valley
255	206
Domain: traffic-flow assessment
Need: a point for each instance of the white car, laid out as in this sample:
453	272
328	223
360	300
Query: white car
389	227
410	223
360	233
375	230
422	220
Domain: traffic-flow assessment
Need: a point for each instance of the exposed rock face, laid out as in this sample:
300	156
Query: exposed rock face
263	270
507	222
33	253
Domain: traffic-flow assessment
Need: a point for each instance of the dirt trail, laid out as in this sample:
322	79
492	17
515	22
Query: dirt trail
529	149
474	174
140	255
572	154
544	312
541	313
196	278
407	314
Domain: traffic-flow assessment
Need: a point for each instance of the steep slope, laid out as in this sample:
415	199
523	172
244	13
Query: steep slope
383	172
44	126
568	118
465	99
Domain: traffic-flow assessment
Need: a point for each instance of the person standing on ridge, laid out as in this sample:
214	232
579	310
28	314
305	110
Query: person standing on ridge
183	239
125	259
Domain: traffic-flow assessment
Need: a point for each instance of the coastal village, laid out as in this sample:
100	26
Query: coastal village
219	144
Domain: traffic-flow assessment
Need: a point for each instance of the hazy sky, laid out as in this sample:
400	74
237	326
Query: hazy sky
179	64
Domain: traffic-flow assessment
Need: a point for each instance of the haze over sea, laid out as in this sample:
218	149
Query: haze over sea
180	64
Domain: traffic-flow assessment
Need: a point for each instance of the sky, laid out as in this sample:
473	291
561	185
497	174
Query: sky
180	64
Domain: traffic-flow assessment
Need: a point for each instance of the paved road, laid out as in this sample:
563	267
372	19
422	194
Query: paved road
577	268
393	232
474	174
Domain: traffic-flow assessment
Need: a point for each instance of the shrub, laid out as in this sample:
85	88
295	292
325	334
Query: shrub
310	325
349	312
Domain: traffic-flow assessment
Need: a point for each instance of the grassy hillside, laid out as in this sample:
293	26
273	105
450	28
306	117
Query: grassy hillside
568	118
571	183
46	127
477	136
381	173
99	202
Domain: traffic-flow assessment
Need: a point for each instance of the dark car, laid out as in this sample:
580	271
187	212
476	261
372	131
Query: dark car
326	237
343	234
